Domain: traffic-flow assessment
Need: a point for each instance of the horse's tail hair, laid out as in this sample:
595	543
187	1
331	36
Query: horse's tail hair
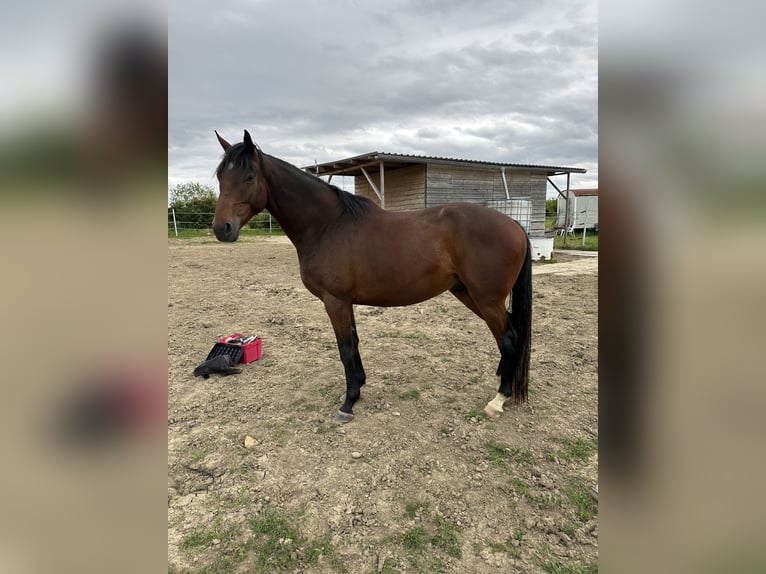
521	321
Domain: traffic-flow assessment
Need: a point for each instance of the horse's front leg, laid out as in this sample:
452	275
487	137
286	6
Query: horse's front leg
341	315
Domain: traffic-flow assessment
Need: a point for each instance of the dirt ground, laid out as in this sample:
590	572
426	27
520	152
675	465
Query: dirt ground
420	480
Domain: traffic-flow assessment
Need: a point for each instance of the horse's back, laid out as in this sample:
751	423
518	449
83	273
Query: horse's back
476	223
488	247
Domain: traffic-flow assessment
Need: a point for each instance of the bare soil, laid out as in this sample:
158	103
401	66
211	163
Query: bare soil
420	480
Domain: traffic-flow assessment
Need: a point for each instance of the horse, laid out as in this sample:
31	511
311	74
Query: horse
352	252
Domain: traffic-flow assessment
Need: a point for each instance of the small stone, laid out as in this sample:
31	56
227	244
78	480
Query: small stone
356	454
216	541
249	442
396	414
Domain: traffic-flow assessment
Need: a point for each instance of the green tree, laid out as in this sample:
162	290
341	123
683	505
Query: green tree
186	192
551	205
194	204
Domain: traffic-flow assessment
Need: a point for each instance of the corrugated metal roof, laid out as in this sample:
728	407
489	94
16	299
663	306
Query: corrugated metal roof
353	165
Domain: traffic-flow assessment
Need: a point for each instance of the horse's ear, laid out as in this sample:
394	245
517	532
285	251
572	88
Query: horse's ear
224	144
249	145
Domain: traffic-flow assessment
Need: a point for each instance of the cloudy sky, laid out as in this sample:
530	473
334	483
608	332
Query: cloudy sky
497	80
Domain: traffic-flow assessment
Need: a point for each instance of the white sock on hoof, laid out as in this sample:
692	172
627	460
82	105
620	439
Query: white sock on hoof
495	406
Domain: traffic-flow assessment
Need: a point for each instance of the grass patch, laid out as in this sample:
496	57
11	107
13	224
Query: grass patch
270	541
579	496
520	486
536	499
197	455
575	242
415	539
554	566
411	509
572	449
274	541
499	454
426	565
506	547
244	232
475	413
434	534
544	500
278	545
412	394
202	537
447	537
325	428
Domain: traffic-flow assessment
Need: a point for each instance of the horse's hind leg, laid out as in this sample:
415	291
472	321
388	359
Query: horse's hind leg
499	322
496	319
507	344
341	315
465	298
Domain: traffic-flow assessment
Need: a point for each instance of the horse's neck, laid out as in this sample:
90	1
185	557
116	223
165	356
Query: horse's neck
300	206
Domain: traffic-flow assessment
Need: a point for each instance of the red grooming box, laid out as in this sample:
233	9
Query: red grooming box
251	351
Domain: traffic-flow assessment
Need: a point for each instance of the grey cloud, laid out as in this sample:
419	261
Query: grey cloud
326	79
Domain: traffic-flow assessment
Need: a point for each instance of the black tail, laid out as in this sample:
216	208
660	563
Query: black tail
521	321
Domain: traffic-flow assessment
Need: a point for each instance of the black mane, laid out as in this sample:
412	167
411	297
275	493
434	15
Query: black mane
353	205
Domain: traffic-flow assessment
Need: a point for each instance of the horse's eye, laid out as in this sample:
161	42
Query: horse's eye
250	178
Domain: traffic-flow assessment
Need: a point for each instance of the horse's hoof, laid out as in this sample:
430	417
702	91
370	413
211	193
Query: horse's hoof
342	418
492	412
494	407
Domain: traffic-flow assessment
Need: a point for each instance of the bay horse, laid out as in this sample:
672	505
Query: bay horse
351	252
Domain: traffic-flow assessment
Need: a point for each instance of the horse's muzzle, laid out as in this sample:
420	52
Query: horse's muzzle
226	231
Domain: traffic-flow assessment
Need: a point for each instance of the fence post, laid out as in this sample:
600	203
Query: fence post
269	224
175	225
585	222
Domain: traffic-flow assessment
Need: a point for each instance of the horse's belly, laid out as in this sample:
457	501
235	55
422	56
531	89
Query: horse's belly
397	291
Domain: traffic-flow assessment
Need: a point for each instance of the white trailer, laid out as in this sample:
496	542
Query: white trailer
583	210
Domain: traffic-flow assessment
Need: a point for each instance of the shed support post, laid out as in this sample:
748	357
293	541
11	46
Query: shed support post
556	187
566	217
382	186
375	187
505	183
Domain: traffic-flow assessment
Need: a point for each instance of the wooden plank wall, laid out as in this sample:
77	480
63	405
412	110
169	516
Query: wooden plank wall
404	187
448	184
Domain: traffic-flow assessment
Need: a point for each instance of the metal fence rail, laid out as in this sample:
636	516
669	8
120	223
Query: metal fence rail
180	220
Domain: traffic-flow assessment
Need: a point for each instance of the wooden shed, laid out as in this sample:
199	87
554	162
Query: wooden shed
402	182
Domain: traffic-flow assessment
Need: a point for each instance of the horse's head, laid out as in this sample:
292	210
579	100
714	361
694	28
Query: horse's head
243	189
